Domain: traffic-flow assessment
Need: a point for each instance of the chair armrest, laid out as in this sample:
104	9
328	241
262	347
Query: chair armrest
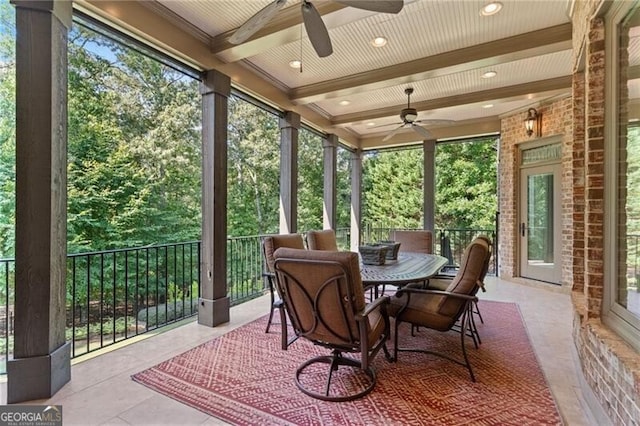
382	300
436	293
268	274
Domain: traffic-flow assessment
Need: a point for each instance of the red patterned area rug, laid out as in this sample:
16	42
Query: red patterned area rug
245	378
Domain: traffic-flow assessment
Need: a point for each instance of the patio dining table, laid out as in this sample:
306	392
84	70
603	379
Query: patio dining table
408	268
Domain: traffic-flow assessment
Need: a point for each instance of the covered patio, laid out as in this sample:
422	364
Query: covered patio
102	392
551	110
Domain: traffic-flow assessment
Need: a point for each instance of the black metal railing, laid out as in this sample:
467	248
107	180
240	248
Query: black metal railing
113	295
7	283
244	268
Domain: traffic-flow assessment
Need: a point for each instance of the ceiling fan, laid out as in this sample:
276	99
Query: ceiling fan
316	30
409	115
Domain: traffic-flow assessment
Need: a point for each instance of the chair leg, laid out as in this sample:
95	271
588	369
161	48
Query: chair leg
463	332
283	322
474	329
336	360
477	312
395	341
271	293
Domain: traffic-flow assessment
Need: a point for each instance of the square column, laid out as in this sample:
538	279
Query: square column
42	357
213	306
289	128
429	184
356	199
330	152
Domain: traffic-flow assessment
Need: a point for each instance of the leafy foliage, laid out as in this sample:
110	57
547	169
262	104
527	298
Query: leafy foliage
310	181
392	188
133	150
253	170
7	130
466	185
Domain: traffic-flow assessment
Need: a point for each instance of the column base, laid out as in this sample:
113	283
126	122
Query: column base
38	377
213	312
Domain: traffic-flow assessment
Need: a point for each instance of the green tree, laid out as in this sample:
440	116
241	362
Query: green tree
133	150
7	129
466	184
253	170
343	191
392	188
310	181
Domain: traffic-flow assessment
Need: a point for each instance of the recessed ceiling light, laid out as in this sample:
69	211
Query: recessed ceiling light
487	106
345	102
371	123
634	120
491	8
295	64
378	42
489	74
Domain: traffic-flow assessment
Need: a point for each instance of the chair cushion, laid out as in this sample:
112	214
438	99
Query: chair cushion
466	280
421	311
322	240
274	242
413	241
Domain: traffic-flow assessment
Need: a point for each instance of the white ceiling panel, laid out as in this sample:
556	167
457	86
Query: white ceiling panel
423	52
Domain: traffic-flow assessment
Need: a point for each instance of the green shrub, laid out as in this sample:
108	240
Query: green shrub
166	312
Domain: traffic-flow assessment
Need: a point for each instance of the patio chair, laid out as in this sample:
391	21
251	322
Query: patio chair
420	241
324	297
269	245
322	240
441	310
417	241
441	282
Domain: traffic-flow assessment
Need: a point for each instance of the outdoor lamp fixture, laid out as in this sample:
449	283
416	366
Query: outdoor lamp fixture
531	122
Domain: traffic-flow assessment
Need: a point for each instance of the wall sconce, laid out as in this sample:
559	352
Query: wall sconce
532	122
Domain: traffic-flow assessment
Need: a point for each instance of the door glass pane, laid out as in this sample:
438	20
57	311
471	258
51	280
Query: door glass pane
540	219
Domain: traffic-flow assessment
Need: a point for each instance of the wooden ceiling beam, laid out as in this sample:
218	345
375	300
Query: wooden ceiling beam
283	28
462	99
522	46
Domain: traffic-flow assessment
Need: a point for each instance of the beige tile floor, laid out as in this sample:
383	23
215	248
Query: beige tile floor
102	392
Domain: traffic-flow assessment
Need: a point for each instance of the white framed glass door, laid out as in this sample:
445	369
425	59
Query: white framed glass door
539	230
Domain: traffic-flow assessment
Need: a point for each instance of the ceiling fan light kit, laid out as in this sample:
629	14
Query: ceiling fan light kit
313	23
409	116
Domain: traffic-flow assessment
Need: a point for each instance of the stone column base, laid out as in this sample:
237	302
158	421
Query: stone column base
38	377
213	312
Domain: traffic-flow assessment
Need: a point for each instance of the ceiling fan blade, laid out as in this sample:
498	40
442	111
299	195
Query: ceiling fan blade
256	22
392	133
383	6
316	30
424	132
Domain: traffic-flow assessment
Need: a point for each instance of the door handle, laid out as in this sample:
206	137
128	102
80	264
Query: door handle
523	229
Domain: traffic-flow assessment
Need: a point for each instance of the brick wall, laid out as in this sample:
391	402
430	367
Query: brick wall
557	119
611	367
